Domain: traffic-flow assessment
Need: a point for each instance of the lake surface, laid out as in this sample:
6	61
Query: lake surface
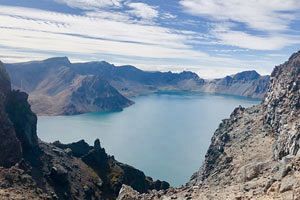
165	135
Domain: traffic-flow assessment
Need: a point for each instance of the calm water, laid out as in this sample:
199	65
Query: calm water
165	135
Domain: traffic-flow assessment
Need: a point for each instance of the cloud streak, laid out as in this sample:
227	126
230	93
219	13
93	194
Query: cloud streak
91	4
267	24
256	14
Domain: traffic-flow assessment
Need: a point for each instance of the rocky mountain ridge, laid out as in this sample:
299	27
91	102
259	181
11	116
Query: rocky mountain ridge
247	83
56	90
254	154
32	169
101	86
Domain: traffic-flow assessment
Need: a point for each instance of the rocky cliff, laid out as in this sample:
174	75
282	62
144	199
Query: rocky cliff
254	154
32	169
10	148
55	89
247	83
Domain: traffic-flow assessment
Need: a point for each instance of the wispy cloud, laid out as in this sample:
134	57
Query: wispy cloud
253	24
40	30
143	11
256	14
91	4
226	35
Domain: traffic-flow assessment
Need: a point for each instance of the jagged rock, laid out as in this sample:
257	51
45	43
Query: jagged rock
10	146
68	151
127	193
23	119
97	145
282	107
79	148
59	174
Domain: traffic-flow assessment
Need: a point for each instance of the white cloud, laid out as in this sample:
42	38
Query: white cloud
143	11
227	36
271	21
275	15
91	4
38	30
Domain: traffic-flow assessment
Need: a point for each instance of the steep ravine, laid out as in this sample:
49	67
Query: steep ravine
254	154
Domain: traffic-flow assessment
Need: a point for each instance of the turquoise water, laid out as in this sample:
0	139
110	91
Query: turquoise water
165	135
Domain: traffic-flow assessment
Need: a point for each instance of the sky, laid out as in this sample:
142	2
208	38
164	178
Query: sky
213	38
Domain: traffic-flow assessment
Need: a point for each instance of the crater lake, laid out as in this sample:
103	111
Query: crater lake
166	135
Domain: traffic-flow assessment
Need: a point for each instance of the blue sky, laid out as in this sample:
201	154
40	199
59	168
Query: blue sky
210	37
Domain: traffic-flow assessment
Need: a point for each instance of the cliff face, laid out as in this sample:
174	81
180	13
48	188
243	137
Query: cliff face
56	89
247	83
31	169
10	148
282	107
255	153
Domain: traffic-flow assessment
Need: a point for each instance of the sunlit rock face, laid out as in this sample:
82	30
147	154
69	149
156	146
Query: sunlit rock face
282	107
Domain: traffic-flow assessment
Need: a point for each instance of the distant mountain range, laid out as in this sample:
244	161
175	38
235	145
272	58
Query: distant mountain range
58	87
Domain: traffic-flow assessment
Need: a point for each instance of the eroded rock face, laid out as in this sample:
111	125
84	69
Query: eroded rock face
282	106
247	83
18	123
112	173
23	119
10	147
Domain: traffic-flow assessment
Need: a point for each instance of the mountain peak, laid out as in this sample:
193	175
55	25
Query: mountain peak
64	60
247	75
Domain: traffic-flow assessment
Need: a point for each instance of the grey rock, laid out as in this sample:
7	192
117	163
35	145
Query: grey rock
287	184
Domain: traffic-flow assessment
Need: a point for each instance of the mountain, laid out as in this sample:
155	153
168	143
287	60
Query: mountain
32	169
254	154
247	83
55	89
128	80
58	87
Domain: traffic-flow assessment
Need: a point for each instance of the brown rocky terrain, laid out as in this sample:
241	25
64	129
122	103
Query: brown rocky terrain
32	169
254	154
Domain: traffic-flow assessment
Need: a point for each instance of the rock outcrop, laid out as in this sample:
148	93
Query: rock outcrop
282	107
255	153
112	173
10	148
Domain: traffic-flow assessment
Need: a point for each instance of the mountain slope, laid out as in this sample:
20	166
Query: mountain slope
247	83
56	90
255	153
